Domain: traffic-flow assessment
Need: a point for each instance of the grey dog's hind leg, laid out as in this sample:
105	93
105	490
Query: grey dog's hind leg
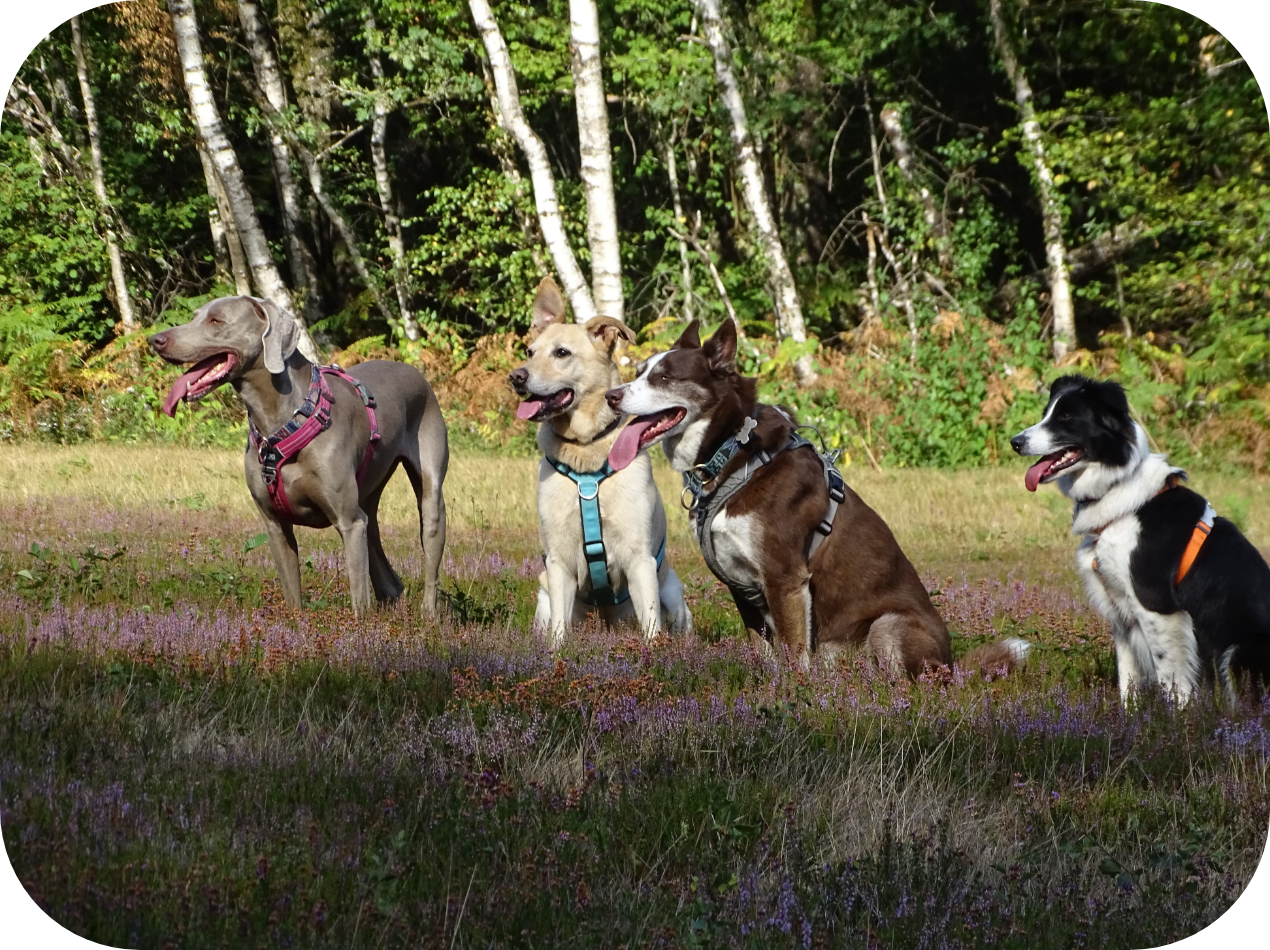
426	458
383	578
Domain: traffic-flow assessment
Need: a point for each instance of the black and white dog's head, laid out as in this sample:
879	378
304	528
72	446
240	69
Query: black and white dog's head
680	395
1087	439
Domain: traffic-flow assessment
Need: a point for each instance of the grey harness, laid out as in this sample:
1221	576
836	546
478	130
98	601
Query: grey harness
705	505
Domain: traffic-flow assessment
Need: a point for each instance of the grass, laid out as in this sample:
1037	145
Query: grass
184	761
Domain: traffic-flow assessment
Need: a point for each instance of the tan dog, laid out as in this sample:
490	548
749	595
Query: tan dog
570	368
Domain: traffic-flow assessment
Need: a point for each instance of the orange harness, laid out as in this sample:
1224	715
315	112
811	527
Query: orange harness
1198	536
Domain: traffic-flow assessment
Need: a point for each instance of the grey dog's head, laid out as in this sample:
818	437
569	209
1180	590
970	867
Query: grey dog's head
226	339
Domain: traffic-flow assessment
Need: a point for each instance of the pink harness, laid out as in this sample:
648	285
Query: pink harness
310	420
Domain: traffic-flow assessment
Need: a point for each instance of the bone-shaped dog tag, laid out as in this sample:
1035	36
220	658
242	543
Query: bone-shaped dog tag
744	435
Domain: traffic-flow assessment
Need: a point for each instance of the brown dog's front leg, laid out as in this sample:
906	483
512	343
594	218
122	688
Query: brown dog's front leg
286	558
789	600
352	529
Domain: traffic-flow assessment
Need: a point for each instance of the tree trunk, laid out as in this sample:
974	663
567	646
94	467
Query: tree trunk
392	224
207	120
502	148
789	312
1051	210
227	250
543	180
893	126
672	175
597	158
123	300
269	77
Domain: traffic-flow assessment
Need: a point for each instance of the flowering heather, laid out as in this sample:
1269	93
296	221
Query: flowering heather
185	759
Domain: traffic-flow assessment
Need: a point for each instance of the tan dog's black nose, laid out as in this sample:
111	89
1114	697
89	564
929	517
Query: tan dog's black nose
614	398
519	378
159	341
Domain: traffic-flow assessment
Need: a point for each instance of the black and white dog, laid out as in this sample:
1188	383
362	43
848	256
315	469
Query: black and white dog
1187	595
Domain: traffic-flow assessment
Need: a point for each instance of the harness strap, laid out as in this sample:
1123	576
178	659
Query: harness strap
283	446
1202	529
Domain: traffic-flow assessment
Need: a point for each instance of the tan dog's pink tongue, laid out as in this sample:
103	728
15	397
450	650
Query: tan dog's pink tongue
182	385
627	445
1037	472
528	408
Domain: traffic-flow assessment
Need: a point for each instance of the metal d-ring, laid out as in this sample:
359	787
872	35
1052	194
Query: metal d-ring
595	490
696	499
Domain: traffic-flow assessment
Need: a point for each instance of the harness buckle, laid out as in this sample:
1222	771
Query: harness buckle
270	458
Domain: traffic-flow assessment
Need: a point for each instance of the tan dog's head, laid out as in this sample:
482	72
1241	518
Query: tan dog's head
570	365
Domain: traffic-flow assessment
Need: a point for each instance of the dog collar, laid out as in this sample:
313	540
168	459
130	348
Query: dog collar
697	477
607	430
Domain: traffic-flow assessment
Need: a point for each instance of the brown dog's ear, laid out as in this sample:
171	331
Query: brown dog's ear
720	349
690	339
281	335
548	305
605	332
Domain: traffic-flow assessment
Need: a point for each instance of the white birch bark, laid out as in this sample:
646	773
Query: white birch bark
597	158
227	250
207	119
383	183
672	175
269	78
789	312
893	126
544	182
1051	211
123	300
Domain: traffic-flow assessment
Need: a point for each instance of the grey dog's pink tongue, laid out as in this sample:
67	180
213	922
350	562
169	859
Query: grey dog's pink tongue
528	408
182	384
627	445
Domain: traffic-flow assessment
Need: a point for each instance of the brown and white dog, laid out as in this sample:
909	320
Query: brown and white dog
562	387
857	590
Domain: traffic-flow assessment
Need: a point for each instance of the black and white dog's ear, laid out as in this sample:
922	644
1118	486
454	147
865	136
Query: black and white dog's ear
1113	407
549	305
720	349
690	339
281	335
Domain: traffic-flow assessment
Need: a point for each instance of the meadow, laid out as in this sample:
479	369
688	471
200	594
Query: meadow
184	761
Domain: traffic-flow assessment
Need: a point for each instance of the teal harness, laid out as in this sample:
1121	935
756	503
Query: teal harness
602	592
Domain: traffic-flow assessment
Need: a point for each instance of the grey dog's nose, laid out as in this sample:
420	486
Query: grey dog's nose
519	378
1017	443
614	398
159	341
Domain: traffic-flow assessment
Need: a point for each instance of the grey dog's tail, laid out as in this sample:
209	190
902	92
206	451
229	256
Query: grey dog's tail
1004	656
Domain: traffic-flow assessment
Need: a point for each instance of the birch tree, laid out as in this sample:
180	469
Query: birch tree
596	158
789	313
123	300
893	126
227	250
207	120
383	183
1051	211
269	78
672	176
544	182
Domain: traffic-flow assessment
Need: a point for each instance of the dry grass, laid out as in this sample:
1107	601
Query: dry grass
976	521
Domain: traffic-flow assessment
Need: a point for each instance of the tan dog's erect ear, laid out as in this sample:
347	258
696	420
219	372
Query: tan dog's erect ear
690	339
720	349
606	331
281	335
548	305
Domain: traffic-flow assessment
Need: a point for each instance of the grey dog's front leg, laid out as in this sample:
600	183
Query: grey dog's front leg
352	529
286	558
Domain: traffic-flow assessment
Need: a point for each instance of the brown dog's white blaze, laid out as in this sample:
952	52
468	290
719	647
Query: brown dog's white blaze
200	379
1050	466
537	408
642	432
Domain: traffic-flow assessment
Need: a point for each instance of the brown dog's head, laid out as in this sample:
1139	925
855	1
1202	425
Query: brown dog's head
567	361
225	339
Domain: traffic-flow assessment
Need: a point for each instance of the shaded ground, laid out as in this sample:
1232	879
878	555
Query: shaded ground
185	761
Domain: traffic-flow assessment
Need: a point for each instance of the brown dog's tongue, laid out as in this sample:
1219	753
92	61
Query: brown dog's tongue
1037	472
529	408
182	386
627	445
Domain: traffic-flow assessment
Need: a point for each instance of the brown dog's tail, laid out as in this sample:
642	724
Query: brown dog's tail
992	658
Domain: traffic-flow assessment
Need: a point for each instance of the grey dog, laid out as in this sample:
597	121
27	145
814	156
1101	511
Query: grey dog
251	344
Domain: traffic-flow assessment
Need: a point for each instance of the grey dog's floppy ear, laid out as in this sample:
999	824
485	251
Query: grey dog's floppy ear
281	334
